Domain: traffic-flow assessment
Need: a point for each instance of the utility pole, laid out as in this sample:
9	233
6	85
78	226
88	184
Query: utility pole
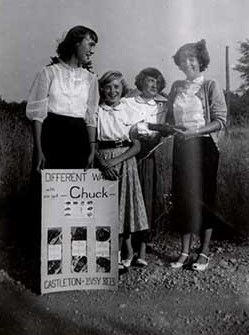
228	93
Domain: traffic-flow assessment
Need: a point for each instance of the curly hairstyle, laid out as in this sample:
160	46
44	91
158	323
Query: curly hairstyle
107	78
66	48
199	50
150	72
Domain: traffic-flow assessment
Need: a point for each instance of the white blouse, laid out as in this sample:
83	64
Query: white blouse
113	123
188	109
146	111
64	90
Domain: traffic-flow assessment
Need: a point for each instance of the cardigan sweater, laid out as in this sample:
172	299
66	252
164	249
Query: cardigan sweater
213	101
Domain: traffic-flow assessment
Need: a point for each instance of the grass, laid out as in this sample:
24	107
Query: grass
233	177
15	153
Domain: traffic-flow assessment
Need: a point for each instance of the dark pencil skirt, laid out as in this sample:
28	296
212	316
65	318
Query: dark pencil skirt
65	142
147	176
195	165
147	171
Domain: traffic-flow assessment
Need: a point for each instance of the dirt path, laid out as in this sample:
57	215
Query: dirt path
153	300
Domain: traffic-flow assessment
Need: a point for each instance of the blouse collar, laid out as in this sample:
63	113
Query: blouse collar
151	101
68	67
141	100
111	108
199	80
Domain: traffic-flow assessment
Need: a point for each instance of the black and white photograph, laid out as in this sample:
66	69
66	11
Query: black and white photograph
124	179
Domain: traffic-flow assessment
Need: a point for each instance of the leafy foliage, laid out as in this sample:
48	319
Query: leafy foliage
243	66
239	108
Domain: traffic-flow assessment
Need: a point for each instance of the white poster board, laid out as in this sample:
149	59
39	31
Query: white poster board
79	234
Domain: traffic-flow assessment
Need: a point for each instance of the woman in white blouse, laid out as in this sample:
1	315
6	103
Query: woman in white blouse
62	105
197	107
148	106
116	156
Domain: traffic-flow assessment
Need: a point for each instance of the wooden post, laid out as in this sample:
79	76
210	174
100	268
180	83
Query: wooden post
228	86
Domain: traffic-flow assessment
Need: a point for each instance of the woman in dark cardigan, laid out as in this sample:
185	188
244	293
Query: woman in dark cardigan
197	108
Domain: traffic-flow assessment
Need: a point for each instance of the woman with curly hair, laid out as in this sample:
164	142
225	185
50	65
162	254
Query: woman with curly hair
149	105
197	108
62	105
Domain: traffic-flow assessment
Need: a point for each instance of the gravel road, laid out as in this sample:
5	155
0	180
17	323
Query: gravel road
152	300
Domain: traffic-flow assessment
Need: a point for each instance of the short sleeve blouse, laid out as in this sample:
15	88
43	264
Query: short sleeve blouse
147	111
113	123
64	90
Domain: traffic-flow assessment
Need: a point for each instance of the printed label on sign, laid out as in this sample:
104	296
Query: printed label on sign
78	248
79	209
54	252
102	249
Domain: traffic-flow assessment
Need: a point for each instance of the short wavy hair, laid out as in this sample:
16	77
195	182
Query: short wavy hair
67	47
198	49
107	78
150	72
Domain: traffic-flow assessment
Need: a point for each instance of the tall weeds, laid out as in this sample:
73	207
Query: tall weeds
233	176
15	152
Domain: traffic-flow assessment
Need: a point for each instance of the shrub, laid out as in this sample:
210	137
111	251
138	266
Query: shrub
15	150
233	178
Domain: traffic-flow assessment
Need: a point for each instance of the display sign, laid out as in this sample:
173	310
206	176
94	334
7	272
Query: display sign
79	244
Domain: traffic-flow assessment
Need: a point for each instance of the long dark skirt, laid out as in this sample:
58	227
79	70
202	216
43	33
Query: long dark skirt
147	176
195	165
65	142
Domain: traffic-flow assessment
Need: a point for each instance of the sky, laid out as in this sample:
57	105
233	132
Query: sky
133	34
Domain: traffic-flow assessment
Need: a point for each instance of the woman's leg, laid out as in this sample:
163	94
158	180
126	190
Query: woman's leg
209	167
128	245
120	242
143	239
142	250
186	244
202	261
129	250
205	237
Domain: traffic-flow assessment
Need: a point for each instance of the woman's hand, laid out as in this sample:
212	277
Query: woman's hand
185	134
40	161
133	133
207	129
108	170
90	159
110	174
111	162
164	129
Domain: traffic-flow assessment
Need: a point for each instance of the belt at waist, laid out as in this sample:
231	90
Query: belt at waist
113	144
63	117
